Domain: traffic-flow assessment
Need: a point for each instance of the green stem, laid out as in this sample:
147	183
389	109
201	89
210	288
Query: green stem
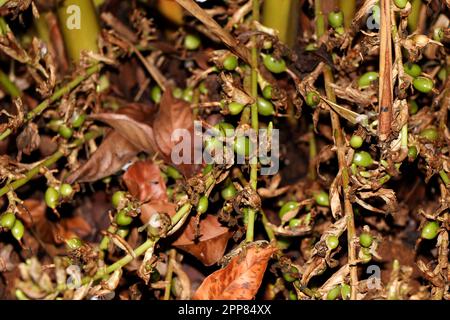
169	274
184	210
56	96
340	145
9	86
414	16
282	15
46	163
348	9
80	27
255	124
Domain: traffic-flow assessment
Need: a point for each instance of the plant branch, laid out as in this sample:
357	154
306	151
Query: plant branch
385	99
46	163
340	145
56	96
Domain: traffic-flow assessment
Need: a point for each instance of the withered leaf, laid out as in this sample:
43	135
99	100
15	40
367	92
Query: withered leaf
210	246
240	279
144	181
113	153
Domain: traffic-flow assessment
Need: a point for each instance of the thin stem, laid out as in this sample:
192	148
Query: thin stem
56	96
184	210
9	86
312	155
340	144
414	15
255	124
46	163
169	274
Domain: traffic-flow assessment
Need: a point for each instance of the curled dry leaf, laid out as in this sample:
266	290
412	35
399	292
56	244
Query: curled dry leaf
210	246
240	279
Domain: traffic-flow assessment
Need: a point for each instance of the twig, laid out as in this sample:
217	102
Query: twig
169	274
46	163
255	123
385	99
216	29
56	96
340	145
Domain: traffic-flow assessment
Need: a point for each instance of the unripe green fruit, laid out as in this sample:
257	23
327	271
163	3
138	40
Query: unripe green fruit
155	94
322	199
362	159
188	94
7	220
66	190
173	173
366	79
413	69
356	141
267	92
336	19
177	93
202	205
422	84
274	65
192	42
51	197
17	230
292	295
123	219
365	239
288	206
265	107
430	134
312	99
430	230
73	244
346	291
442	75
401	3
230	63
117	198
412	152
334	293
294	223
65	132
242	145
228	192
235	108
413	107
288	276
438	34
78	120
332	242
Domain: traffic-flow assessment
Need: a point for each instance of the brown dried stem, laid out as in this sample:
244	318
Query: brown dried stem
385	99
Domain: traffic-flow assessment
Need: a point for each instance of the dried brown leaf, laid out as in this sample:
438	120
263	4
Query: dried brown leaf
240	279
